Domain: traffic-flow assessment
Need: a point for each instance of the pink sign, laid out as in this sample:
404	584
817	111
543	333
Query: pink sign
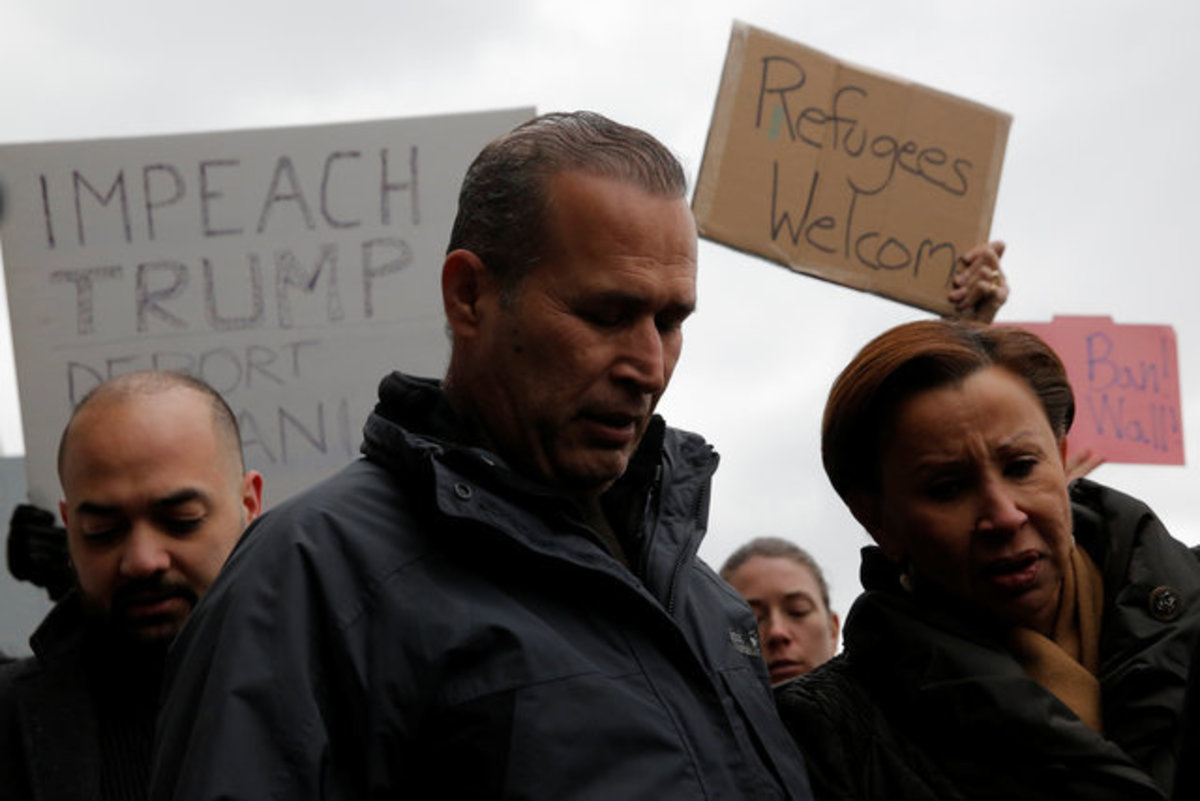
1126	382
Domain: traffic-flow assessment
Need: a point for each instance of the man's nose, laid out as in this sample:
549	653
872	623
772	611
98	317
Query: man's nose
145	553
643	360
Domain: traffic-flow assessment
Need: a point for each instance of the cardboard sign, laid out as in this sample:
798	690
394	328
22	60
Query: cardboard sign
289	268
1126	382
845	174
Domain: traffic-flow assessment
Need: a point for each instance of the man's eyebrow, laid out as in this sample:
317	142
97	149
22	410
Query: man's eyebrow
629	297
179	498
175	499
96	509
620	295
681	308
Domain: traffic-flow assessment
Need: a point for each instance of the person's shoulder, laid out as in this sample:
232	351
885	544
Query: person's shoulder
833	697
359	493
1120	532
12	669
14	674
358	482
352	526
825	691
1104	500
836	723
1105	518
711	578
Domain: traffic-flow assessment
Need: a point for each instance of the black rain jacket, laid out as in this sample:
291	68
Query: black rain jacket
429	624
53	706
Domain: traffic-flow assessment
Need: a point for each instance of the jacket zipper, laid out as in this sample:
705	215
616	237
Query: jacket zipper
688	553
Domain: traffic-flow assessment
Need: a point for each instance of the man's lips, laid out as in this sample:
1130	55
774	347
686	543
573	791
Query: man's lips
1014	574
154	605
611	426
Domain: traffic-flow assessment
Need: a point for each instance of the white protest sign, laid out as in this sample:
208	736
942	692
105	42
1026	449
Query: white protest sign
289	268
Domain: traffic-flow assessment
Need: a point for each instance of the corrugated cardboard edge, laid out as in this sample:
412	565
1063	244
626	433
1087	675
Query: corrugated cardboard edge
719	127
718	136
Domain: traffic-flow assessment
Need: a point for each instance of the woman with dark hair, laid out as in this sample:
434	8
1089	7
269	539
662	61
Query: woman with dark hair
1016	638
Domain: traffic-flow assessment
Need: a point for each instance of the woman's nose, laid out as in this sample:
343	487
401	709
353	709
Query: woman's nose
1000	510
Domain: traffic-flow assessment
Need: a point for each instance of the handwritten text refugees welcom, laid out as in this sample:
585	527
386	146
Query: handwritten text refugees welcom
823	216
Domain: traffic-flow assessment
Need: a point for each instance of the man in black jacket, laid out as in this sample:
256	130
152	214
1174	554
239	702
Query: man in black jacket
155	495
502	599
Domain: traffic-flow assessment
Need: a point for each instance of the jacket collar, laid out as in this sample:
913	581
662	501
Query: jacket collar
413	420
57	708
413	423
416	433
949	674
64	631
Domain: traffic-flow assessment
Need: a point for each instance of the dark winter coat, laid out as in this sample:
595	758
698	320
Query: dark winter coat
429	624
927	703
77	717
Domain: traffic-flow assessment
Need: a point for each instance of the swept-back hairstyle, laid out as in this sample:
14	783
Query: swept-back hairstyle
502	203
915	357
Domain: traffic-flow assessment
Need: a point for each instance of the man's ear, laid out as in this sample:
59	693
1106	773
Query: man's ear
867	510
465	281
252	484
62	512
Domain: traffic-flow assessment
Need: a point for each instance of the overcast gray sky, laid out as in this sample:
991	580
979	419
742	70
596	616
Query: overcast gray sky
1096	199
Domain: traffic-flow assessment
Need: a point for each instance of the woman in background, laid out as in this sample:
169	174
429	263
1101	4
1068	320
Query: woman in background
786	590
1016	638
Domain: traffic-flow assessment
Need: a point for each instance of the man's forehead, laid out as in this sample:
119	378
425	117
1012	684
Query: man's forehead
565	187
612	217
143	421
130	401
